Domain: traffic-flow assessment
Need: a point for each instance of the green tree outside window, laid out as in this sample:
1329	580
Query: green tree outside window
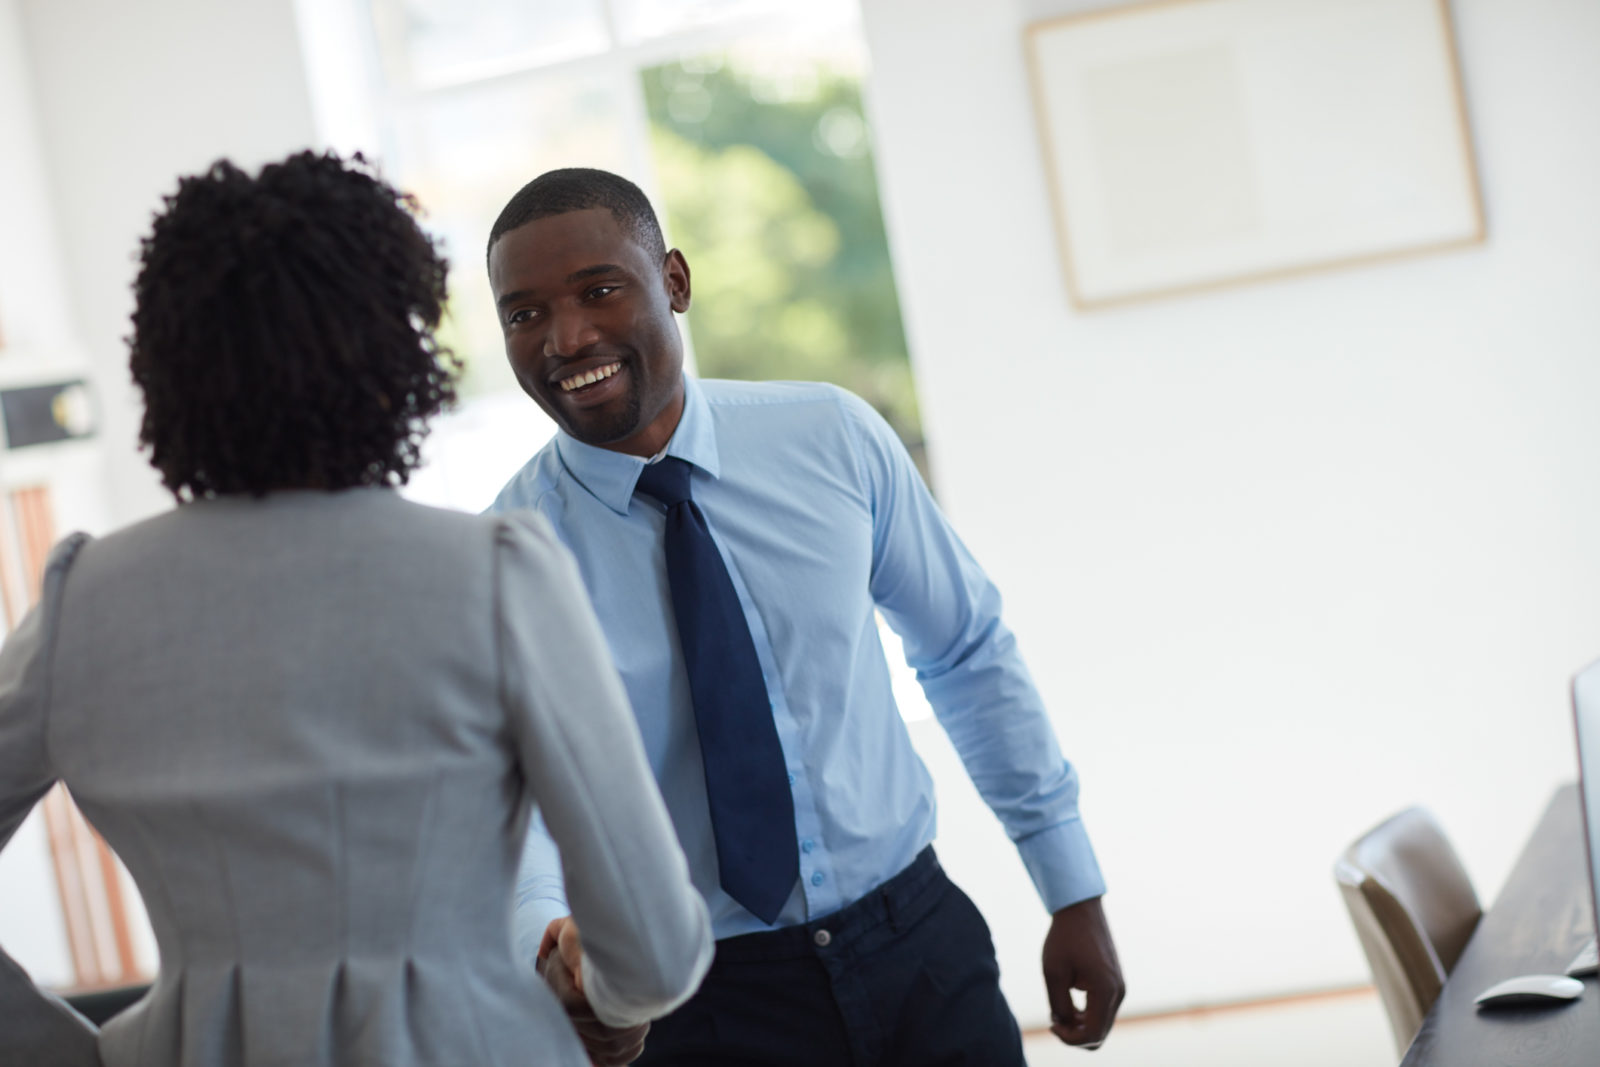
769	189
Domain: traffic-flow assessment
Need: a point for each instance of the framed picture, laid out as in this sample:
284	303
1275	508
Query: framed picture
1192	144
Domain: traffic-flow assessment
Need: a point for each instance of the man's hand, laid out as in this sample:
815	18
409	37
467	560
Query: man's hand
1078	954
561	964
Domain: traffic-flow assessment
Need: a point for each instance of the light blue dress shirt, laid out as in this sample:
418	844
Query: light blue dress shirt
821	518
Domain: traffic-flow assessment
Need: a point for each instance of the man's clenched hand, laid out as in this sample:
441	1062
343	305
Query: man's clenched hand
561	964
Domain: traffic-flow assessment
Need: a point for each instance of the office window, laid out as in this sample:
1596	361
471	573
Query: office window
434	43
764	163
741	119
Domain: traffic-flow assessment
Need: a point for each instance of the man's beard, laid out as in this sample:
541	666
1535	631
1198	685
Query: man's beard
601	428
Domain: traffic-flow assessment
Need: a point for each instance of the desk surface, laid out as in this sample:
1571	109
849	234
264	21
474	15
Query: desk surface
1540	921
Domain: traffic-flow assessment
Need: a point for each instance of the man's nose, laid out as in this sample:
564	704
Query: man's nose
571	331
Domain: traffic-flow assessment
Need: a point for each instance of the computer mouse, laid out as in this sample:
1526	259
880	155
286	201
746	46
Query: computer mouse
1527	989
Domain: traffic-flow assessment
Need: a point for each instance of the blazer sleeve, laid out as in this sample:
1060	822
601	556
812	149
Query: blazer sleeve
646	933
35	1027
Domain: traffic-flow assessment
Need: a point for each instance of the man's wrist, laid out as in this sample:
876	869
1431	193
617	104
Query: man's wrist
1078	907
1062	865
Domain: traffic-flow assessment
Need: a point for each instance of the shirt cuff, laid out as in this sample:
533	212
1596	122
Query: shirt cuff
1061	863
528	926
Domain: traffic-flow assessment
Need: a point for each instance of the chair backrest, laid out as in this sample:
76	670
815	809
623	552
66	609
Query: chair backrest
1414	910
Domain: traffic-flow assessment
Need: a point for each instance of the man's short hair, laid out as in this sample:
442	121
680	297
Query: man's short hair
557	192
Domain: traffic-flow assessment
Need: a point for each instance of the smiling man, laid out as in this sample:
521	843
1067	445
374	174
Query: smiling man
737	540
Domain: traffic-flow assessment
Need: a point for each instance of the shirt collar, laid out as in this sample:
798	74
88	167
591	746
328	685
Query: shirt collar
610	476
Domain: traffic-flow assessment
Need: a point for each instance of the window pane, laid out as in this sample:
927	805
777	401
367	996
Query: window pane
640	20
439	42
764	162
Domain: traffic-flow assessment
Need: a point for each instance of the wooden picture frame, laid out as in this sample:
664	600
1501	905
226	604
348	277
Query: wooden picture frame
1194	144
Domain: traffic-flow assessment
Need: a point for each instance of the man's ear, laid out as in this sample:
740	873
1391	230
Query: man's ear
675	275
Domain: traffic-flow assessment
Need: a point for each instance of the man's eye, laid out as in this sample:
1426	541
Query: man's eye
520	316
601	290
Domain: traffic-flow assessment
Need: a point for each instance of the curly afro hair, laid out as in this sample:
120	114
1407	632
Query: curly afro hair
283	335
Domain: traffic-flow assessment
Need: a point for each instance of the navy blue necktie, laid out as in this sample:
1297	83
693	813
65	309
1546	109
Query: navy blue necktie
752	811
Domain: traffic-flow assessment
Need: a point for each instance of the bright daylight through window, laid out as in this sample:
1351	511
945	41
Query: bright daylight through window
742	120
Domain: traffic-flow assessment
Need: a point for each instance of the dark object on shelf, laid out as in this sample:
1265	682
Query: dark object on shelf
41	414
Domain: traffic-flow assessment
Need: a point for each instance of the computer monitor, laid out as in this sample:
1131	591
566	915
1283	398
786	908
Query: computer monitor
1586	716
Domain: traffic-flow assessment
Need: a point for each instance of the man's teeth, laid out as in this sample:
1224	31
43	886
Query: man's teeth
578	381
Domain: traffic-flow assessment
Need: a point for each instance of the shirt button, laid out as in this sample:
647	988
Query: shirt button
816	879
807	845
822	938
791	779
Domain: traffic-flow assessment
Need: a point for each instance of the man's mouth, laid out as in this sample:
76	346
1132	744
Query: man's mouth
589	377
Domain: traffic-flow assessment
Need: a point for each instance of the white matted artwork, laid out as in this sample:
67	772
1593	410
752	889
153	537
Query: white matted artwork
1198	143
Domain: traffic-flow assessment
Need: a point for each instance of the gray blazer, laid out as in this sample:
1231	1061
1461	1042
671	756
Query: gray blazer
313	726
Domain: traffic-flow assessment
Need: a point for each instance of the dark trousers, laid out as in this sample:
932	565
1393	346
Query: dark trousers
905	977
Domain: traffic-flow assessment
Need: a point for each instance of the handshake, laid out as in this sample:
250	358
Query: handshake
560	963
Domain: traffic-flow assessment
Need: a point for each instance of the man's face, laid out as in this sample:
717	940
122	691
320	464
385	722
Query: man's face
587	316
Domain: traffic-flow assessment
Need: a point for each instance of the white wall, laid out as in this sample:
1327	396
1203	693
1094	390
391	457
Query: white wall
1283	558
130	96
33	308
42	342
